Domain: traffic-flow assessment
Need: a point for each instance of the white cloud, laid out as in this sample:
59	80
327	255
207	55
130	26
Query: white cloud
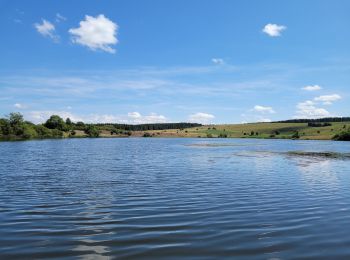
19	106
274	30
96	33
42	116
328	99
130	118
218	61
312	88
202	118
46	29
308	109
265	120
134	114
262	109
137	118
60	18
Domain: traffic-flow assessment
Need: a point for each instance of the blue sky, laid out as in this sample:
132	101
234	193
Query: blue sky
169	61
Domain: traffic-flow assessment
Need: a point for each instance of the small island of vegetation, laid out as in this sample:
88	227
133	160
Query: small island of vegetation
15	127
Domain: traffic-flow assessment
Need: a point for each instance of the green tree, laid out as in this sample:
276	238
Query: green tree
92	131
29	132
68	121
16	124
42	131
5	127
15	119
56	122
296	135
342	136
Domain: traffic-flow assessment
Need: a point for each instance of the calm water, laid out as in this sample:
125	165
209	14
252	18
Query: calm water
156	198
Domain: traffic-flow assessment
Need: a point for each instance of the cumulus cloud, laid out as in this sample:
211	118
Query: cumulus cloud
328	99
202	118
312	88
130	118
263	109
137	118
274	30
96	33
218	61
308	109
42	116
47	29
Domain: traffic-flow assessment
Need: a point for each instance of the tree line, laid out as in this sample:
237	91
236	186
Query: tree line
325	119
14	127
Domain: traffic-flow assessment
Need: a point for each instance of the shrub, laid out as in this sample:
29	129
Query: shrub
92	131
343	136
56	122
296	135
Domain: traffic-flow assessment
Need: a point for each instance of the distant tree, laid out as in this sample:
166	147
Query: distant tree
296	135
209	136
56	122
92	131
343	136
68	121
80	124
5	128
15	119
42	131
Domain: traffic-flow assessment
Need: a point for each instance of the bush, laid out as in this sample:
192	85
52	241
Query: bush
147	135
29	132
42	131
92	131
343	136
296	135
56	122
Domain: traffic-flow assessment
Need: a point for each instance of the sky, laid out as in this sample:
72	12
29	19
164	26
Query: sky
133	61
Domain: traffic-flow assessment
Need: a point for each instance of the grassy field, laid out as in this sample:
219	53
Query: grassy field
258	130
252	130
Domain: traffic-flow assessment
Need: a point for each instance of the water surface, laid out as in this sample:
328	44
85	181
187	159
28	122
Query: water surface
155	198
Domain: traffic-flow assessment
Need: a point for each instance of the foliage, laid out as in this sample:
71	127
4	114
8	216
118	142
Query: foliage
15	128
342	136
56	122
296	135
316	124
326	119
146	127
92	131
222	135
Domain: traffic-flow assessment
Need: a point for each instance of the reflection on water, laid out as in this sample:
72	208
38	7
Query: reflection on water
155	198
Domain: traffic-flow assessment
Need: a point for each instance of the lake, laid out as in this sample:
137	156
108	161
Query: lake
155	198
